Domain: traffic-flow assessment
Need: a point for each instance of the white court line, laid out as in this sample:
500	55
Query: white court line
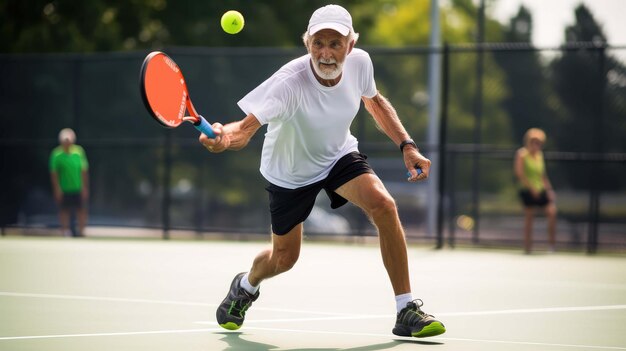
539	344
536	310
309	319
179	331
164	302
101	298
435	339
333	314
449	314
334	317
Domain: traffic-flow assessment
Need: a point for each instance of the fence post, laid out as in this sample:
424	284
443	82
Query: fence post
452	200
478	112
434	104
167	174
598	145
442	145
77	115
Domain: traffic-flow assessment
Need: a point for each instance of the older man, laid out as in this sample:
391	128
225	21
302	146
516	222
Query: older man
69	175
308	106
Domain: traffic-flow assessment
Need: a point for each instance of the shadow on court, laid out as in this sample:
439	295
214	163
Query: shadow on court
237	342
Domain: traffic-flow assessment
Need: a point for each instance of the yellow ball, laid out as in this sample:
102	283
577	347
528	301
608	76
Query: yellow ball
232	22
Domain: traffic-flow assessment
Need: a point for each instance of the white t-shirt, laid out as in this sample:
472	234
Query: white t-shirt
308	124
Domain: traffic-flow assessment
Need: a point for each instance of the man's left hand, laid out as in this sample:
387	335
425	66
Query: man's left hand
414	159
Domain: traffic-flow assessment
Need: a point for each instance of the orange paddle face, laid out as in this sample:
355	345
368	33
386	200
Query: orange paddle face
164	90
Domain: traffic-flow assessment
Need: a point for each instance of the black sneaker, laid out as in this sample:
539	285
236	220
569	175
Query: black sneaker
231	313
412	321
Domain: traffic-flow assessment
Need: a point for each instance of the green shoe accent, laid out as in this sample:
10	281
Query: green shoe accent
230	326
434	328
232	311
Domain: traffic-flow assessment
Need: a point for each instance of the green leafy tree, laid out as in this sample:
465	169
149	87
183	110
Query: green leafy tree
529	92
115	25
590	86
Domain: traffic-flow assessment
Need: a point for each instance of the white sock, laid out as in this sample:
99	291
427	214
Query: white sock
402	300
245	284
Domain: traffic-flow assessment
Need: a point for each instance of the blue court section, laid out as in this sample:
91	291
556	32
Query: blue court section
108	294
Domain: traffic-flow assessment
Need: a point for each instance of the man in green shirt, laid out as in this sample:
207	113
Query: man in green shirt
70	181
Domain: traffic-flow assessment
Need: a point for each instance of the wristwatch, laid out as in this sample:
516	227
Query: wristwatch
408	142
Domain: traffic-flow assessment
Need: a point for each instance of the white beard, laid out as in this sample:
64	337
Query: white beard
328	73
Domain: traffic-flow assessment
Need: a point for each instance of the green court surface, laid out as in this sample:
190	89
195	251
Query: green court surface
96	294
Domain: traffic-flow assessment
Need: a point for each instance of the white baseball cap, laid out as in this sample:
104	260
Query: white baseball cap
332	17
67	134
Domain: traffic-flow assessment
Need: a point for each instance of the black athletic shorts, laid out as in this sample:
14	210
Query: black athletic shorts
289	207
72	201
529	200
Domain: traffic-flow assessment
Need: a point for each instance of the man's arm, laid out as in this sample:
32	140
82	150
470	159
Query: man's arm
84	174
56	188
233	136
84	191
387	120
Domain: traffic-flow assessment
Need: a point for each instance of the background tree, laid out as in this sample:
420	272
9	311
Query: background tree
590	86
527	102
115	25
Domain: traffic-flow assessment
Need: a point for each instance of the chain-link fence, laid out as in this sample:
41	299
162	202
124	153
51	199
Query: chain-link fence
576	94
146	176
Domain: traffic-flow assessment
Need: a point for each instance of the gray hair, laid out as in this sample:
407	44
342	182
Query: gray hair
67	134
352	36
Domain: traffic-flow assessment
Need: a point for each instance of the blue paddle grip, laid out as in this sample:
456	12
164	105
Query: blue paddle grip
203	126
419	171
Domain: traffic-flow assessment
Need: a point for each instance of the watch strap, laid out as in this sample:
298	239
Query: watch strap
407	142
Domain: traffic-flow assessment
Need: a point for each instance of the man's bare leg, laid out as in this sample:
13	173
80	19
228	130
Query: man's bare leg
279	259
268	263
81	216
368	192
64	221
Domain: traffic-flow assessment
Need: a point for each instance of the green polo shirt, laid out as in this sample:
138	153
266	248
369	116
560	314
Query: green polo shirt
68	167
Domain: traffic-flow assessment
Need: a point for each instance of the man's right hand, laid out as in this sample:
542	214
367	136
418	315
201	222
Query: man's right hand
220	143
